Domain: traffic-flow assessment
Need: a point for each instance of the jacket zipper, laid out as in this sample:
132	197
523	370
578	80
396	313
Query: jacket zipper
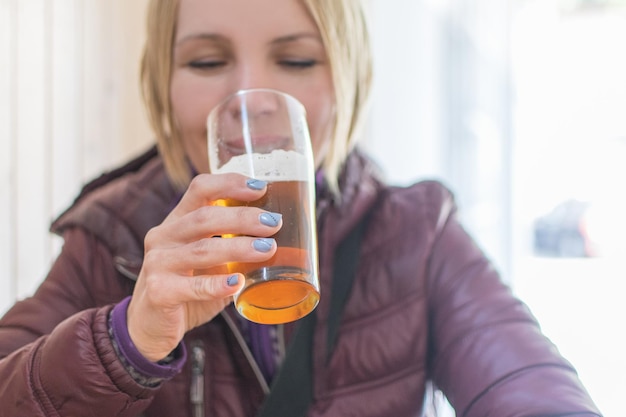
196	394
248	354
198	360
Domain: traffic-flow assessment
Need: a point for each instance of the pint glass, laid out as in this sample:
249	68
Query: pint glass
263	134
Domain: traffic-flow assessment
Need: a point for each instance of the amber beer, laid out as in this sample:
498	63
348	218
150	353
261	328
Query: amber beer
263	134
284	288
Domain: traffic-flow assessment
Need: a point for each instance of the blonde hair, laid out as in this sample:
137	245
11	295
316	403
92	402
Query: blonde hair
344	32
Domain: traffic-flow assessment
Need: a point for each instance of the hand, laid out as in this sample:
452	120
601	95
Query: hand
175	291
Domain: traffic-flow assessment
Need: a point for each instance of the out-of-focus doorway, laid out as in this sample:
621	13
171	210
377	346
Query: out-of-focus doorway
569	177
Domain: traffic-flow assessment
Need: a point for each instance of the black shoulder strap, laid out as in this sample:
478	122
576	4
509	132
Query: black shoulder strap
292	390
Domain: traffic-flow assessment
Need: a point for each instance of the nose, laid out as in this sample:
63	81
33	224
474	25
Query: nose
253	71
253	104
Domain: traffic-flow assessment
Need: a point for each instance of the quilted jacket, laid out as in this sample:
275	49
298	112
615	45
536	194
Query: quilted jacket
426	305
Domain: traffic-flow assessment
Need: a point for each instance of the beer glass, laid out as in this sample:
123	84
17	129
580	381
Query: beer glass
263	134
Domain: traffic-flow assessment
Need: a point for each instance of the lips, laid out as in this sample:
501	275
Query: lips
256	144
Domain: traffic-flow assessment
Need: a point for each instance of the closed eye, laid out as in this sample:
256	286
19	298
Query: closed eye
206	64
298	63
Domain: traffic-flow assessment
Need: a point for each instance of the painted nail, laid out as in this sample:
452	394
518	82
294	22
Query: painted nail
270	219
255	184
263	244
232	280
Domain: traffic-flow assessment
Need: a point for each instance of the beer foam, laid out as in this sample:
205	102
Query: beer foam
279	165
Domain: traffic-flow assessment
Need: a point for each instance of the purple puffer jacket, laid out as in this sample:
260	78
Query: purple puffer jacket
425	305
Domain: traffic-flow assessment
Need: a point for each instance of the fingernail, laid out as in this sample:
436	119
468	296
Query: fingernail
263	244
270	219
232	280
255	184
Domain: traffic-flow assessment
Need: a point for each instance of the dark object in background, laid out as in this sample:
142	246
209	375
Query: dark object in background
561	233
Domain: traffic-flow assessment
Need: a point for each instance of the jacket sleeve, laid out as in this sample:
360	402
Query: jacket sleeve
488	354
57	355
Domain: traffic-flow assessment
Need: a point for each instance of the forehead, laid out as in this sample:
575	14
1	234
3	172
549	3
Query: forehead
232	17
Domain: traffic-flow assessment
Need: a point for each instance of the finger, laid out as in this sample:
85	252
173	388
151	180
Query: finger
209	252
179	290
209	221
204	189
211	287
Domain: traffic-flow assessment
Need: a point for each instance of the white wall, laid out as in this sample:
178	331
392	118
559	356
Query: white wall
69	108
442	103
405	132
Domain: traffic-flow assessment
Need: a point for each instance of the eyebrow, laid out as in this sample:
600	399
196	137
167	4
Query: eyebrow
295	37
219	38
200	36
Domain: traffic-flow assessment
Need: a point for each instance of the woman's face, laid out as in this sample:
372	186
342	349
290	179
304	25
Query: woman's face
222	46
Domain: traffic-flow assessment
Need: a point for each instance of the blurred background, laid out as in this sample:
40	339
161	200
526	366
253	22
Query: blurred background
519	106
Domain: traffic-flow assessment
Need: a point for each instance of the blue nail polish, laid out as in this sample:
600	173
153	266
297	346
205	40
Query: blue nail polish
270	219
263	244
232	280
255	184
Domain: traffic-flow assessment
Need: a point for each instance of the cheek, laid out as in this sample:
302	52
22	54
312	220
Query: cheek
191	106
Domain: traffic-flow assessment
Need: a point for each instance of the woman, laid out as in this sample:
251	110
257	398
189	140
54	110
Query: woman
125	325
